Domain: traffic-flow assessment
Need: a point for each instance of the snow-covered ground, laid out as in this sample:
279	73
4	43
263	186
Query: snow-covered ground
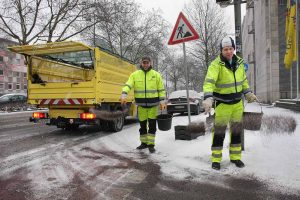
273	158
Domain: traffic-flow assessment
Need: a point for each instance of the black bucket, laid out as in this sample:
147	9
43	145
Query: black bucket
164	122
252	120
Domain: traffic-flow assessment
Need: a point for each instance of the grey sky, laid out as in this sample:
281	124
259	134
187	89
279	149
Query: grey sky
171	8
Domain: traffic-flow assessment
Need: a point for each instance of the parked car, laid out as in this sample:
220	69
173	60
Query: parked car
13	101
177	102
9	98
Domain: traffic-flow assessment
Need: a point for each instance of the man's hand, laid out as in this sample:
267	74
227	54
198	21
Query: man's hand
162	105
123	99
207	104
250	97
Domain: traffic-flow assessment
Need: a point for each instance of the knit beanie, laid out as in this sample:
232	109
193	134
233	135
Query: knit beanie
227	42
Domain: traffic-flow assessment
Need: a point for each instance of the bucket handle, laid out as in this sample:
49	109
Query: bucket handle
161	111
258	103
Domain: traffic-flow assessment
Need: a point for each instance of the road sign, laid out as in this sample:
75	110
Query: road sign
183	31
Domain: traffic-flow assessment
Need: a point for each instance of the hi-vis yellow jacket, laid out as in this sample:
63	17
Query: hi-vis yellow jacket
148	87
224	82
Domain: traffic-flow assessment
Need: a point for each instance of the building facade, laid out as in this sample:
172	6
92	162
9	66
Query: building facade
13	71
264	49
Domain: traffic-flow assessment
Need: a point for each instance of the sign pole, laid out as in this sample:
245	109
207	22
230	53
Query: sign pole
291	82
238	41
183	31
297	50
187	82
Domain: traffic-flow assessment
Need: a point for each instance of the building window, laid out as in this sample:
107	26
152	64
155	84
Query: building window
1	85
17	74
25	75
18	61
1	59
10	86
1	72
18	86
25	87
282	2
5	59
10	73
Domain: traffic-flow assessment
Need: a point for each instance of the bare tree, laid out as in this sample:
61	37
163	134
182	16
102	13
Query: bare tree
20	18
29	21
123	34
195	75
208	19
65	18
172	67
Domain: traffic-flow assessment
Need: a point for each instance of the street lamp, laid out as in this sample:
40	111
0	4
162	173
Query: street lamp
224	3
237	19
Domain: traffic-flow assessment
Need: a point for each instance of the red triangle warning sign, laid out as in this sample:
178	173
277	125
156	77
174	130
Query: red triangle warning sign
183	31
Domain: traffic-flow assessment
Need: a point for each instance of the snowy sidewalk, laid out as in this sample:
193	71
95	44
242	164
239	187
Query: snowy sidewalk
273	158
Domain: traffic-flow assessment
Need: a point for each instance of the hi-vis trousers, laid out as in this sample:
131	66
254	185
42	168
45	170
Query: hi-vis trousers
224	114
147	118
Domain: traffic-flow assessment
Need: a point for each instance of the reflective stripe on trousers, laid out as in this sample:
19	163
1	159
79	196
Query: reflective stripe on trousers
148	139
147	118
224	114
235	153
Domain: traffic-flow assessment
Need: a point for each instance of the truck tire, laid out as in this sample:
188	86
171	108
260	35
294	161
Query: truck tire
104	125
117	124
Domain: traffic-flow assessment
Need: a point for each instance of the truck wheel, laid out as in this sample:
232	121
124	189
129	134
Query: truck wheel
117	124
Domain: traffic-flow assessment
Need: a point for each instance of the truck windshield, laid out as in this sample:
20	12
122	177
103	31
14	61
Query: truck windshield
82	59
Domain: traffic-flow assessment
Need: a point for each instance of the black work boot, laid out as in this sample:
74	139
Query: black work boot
151	148
238	163
142	146
216	165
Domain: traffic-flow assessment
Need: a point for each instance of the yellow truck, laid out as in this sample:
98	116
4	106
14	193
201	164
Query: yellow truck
72	79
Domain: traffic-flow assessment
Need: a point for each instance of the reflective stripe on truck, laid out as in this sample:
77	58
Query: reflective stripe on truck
73	101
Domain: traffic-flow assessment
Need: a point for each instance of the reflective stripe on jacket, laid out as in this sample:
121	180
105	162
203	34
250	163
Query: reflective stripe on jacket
224	82
148	87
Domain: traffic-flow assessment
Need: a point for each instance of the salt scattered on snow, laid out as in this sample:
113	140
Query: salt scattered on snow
272	158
